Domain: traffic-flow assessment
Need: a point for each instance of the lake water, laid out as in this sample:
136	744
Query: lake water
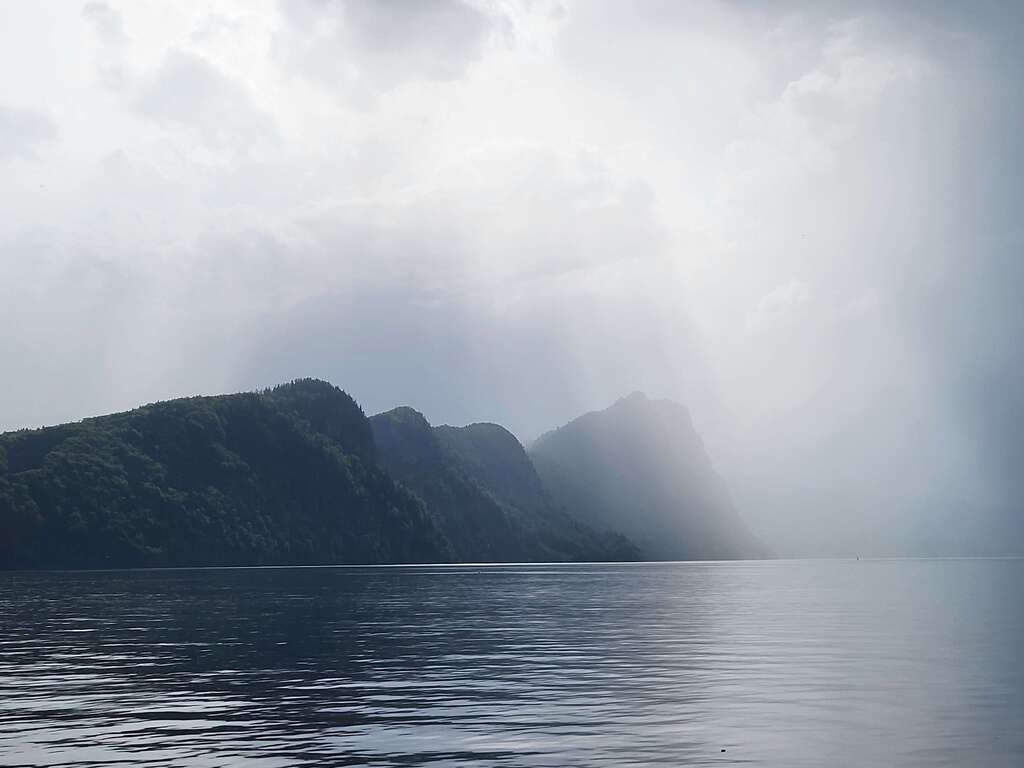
812	663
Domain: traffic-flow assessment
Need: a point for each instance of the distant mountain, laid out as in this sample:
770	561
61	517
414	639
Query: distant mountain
639	467
297	474
288	475
485	494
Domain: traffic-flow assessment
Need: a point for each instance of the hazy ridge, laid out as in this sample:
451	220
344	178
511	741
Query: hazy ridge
641	468
298	474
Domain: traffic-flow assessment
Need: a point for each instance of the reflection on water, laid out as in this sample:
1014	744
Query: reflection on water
787	663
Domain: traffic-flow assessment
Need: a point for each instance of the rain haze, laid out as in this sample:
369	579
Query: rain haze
801	221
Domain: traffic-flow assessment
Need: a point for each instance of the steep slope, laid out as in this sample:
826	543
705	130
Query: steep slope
497	462
479	484
282	476
639	467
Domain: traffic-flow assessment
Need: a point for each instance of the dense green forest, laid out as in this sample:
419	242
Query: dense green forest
298	474
286	475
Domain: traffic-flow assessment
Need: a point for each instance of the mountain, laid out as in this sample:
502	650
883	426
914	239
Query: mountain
639	467
288	475
297	474
484	492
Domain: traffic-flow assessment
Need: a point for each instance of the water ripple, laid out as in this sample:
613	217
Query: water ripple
911	663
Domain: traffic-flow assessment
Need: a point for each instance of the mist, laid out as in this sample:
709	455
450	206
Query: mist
803	223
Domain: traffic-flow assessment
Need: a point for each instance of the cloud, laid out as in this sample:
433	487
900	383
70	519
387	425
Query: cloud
504	220
106	23
187	91
24	133
215	26
779	306
108	26
360	48
861	304
87	311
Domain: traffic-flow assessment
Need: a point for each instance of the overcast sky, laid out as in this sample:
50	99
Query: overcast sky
803	221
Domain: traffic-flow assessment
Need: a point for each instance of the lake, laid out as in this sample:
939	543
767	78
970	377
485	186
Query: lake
787	663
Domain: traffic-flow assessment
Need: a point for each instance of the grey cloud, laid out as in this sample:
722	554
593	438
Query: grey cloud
778	305
79	316
108	27
24	132
400	300
394	299
187	91
215	26
529	362
362	47
106	22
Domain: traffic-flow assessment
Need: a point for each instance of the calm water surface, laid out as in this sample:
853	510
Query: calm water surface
870	663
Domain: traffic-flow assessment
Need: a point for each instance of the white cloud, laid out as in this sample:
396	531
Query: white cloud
862	303
24	133
106	22
215	26
187	91
779	306
360	48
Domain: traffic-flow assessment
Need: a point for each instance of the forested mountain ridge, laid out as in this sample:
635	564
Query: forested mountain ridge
497	461
639	467
299	475
485	494
287	475
493	455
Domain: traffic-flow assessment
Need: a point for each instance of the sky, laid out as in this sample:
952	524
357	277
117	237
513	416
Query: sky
801	220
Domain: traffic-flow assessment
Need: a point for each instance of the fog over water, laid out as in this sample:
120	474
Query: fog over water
803	221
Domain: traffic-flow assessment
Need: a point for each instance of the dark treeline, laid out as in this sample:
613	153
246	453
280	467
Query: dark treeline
486	495
283	476
298	474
